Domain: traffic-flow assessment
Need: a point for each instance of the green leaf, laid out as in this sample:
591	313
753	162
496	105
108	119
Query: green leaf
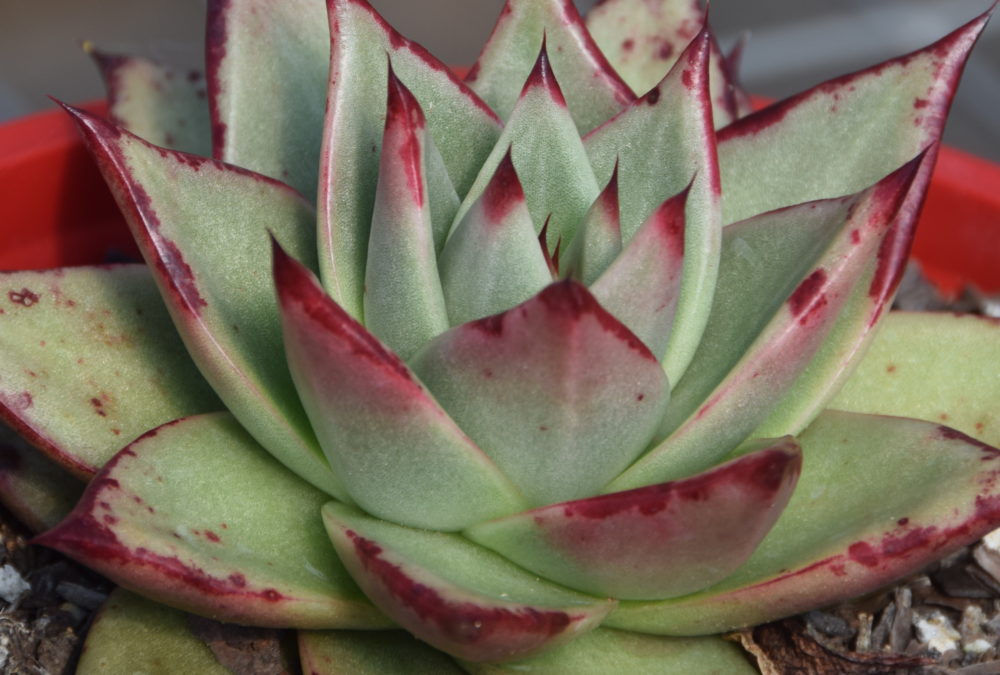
598	241
641	287
677	151
493	261
818	143
383	652
784	282
35	489
548	155
594	91
399	454
879	498
454	595
267	66
196	515
605	650
558	392
203	228
931	366
463	128
164	105
655	542
404	304
643	40
90	360
133	635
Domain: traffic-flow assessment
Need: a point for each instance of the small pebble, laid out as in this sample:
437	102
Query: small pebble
13	587
936	631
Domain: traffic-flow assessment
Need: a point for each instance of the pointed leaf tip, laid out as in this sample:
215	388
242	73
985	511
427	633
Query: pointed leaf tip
542	77
504	191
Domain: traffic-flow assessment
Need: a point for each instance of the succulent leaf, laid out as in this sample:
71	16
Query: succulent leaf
371	653
202	227
606	650
261	56
455	595
90	361
557	391
167	106
548	155
930	366
643	39
642	285
843	533
404	305
598	241
594	91
35	489
199	516
674	120
492	261
654	542
398	452
812	145
133	635
464	130
785	279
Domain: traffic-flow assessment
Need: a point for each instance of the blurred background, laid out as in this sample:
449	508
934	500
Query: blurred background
792	44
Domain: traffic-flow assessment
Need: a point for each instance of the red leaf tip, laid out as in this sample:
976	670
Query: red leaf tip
542	77
503	192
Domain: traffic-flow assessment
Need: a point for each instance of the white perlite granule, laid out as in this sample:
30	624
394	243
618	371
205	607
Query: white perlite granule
12	585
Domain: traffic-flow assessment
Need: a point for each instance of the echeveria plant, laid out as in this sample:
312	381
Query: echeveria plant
528	365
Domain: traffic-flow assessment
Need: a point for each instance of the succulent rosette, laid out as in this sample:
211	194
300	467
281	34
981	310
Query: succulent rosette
531	366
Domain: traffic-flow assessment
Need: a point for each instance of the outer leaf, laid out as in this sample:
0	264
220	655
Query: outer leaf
164	105
930	366
202	226
404	304
642	285
90	361
196	515
599	240
463	127
400	455
675	122
493	260
606	650
654	542
460	598
878	499
548	155
595	92
755	348
643	40
267	68
34	488
134	635
558	392
371	653
812	145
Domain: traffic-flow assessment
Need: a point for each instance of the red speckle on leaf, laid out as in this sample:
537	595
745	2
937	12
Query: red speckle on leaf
215	53
903	522
665	51
687	78
808	297
98	407
919	103
862	552
23	297
855	236
464	623
652	97
764	473
628	44
212	536
504	191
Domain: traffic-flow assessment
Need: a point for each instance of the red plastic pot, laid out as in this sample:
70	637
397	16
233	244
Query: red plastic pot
56	210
